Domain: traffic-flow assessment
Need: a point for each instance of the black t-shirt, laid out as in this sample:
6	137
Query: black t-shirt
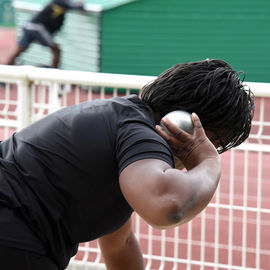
61	174
52	16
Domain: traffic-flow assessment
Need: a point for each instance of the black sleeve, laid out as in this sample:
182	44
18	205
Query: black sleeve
136	141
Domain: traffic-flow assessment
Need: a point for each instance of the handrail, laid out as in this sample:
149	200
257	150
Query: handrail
31	73
91	8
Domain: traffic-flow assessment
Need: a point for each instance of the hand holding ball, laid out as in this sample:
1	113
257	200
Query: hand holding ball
180	118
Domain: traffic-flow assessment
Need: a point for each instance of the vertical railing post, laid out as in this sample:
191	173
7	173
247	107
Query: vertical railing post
24	108
54	100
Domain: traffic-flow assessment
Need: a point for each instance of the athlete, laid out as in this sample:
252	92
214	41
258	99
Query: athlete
79	173
43	26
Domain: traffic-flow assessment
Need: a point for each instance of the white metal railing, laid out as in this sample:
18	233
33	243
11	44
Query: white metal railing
28	78
232	232
95	8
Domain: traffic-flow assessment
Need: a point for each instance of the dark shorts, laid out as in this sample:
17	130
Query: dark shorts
17	259
36	33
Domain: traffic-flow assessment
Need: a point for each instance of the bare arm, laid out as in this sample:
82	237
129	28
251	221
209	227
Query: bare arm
121	251
166	197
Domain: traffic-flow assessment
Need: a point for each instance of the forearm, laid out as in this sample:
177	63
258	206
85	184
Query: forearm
128	256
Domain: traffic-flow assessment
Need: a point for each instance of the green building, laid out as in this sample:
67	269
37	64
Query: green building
6	13
146	37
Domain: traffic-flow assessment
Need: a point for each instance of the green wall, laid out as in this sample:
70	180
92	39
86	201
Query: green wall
6	13
148	36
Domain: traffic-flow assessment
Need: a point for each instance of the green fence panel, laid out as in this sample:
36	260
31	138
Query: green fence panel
6	13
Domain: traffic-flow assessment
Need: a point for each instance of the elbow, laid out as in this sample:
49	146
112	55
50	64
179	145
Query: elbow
175	214
172	208
168	215
176	217
178	205
180	211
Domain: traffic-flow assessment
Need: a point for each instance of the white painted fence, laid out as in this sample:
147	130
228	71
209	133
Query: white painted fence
233	231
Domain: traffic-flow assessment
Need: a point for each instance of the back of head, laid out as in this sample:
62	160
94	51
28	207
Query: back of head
213	90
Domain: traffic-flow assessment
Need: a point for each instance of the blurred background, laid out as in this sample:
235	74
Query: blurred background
143	38
146	37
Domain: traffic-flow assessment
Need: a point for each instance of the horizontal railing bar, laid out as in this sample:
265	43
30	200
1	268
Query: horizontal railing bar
257	147
74	77
168	259
240	208
8	123
91	8
203	263
32	73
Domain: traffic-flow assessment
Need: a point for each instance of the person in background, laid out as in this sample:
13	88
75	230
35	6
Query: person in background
43	26
79	173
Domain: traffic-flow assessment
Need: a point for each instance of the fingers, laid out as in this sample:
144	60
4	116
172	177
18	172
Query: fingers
180	133
198	128
174	136
172	141
163	133
179	140
190	149
173	129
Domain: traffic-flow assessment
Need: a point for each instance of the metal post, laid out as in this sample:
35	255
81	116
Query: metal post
24	103
54	101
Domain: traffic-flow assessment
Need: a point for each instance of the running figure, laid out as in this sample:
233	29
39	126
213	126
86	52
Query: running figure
43	26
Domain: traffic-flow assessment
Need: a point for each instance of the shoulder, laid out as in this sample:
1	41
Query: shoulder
132	110
138	139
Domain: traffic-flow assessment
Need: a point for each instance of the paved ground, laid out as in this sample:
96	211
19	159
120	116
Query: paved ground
7	43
